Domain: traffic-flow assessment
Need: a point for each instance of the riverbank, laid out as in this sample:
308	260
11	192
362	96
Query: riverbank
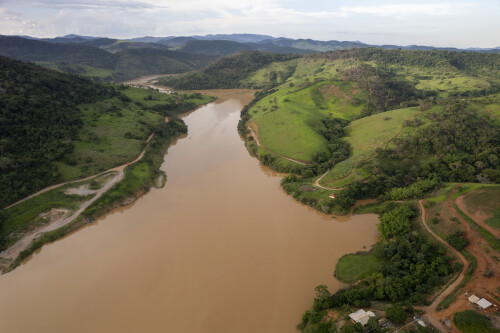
221	228
52	213
129	182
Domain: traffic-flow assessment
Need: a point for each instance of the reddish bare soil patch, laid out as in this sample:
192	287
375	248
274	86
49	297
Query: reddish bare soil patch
333	90
479	285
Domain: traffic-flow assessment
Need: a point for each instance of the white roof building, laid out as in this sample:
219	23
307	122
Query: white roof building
473	299
361	316
484	303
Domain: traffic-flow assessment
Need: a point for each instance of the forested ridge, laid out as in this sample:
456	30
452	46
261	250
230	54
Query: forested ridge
227	72
471	62
39	119
115	67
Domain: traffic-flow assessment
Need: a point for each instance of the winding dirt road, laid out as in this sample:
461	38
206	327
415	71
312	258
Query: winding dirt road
317	184
431	313
84	179
13	251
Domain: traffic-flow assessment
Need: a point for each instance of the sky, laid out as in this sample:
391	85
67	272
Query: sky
455	23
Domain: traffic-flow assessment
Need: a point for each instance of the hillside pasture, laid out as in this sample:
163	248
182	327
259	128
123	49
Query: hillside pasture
484	204
115	130
289	121
365	135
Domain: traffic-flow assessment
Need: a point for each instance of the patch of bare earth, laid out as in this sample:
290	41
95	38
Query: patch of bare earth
55	214
82	190
486	277
333	90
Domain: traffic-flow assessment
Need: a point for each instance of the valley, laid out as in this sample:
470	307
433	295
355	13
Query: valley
251	178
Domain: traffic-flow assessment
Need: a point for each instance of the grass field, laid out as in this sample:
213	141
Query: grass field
473	322
365	135
289	120
354	267
446	85
487	201
83	70
115	131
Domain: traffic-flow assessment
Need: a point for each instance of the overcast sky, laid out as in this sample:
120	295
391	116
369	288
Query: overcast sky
460	23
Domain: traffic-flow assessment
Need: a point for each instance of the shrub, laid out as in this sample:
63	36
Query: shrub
458	240
396	314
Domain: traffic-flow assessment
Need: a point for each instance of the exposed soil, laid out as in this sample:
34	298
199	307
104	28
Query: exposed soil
333	90
55	214
431	314
494	115
479	284
82	190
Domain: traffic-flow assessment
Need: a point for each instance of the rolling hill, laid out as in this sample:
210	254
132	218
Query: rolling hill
84	59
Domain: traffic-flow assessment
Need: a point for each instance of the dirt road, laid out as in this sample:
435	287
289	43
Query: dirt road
431	313
13	251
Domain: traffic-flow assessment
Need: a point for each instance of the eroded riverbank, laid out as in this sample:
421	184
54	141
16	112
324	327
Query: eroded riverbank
220	249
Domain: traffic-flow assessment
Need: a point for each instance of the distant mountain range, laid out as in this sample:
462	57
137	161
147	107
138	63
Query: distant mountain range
121	59
253	42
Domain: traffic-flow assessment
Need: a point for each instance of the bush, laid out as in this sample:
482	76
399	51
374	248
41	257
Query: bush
396	314
457	240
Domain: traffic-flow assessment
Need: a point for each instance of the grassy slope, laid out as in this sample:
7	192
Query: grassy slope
365	135
103	143
353	267
25	216
288	121
486	200
292	130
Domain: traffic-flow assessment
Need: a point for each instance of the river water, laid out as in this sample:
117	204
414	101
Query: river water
220	249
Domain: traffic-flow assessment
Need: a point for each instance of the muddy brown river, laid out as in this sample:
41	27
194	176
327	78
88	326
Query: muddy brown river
220	249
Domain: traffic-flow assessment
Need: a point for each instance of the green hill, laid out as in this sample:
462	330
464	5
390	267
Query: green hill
413	115
40	118
57	127
86	58
225	72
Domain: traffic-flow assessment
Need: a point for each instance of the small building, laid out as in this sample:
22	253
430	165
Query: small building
332	196
473	299
484	304
361	316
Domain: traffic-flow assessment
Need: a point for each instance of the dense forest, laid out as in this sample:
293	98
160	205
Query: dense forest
39	119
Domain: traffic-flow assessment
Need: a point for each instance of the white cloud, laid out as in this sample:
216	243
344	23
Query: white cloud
88	4
407	9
